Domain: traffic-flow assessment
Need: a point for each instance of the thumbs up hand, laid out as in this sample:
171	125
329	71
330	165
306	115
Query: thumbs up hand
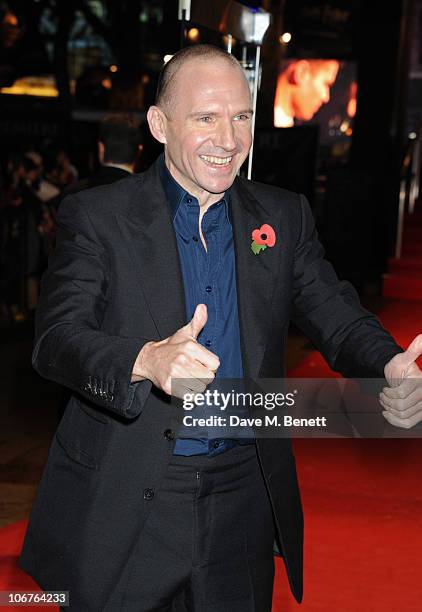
402	400
179	358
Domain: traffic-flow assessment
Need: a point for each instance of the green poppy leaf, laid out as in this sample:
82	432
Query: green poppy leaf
256	248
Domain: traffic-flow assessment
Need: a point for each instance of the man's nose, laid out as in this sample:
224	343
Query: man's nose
224	136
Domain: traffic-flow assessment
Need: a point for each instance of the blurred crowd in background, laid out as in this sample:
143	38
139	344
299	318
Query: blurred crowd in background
32	185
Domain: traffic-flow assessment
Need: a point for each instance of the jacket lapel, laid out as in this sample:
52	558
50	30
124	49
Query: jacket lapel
255	276
150	237
151	240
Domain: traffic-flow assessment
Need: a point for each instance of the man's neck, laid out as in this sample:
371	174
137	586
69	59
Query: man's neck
205	198
127	167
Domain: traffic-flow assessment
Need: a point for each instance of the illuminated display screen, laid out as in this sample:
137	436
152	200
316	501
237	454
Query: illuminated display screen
321	91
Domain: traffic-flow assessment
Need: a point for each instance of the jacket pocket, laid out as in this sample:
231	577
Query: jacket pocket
83	434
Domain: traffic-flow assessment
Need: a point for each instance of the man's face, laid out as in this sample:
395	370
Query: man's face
314	88
208	127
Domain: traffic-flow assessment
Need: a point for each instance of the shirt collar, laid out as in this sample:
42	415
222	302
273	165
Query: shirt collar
175	192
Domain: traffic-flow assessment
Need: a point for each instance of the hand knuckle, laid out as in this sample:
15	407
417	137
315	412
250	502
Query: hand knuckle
173	371
181	358
189	345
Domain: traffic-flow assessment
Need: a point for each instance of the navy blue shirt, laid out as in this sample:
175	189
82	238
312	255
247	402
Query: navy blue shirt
209	277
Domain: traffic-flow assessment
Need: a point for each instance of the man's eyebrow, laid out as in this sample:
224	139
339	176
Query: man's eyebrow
202	113
248	111
214	114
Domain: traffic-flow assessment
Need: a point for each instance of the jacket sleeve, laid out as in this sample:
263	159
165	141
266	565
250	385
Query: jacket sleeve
70	347
329	312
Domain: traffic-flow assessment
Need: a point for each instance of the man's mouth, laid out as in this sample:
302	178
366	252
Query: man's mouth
216	161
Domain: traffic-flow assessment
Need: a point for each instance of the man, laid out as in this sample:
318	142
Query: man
303	86
119	148
154	279
118	151
44	189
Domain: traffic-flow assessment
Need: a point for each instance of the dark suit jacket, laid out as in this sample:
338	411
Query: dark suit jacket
105	175
115	283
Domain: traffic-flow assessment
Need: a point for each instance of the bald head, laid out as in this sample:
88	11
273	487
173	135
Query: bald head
203	116
166	89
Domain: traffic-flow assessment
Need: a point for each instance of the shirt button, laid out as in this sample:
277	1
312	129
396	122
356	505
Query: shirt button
169	434
189	200
207	342
148	494
208	289
195	238
217	444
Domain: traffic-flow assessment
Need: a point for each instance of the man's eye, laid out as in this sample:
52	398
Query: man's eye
242	117
205	119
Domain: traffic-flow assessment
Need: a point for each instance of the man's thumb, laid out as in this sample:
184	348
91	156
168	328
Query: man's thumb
414	351
198	321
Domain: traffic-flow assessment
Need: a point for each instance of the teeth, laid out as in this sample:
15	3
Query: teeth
220	161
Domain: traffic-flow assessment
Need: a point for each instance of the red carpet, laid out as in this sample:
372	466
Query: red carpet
12	578
363	514
363	509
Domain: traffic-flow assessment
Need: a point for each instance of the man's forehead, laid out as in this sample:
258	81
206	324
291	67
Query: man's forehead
211	69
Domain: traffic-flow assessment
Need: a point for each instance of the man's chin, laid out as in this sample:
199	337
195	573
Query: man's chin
218	185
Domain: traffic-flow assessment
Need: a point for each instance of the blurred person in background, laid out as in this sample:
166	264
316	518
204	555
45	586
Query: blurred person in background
44	188
27	233
12	241
59	169
303	86
119	147
20	239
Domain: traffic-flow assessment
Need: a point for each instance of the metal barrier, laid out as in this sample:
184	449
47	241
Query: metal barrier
409	183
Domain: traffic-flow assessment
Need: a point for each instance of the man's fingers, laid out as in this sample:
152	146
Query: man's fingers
205	357
401	398
182	386
403	404
403	423
192	376
401	413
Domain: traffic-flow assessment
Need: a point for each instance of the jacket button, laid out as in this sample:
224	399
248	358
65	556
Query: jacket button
148	494
169	434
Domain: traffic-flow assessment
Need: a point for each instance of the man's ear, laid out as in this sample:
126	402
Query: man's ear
157	123
301	72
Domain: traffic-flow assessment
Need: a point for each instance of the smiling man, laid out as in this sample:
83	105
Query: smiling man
154	279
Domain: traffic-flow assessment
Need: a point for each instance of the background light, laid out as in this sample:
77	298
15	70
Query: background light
193	34
285	38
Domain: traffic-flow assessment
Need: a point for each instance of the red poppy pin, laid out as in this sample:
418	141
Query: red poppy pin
262	237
